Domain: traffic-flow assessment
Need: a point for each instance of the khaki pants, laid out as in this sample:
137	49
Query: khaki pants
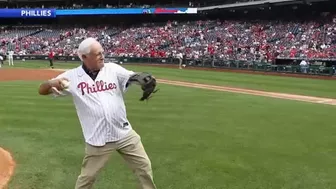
180	63
132	151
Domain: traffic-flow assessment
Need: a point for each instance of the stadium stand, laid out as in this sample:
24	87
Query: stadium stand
241	40
249	35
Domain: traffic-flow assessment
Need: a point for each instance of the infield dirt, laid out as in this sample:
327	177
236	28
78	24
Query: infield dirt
7	164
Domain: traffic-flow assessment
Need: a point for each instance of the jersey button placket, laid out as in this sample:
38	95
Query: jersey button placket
107	123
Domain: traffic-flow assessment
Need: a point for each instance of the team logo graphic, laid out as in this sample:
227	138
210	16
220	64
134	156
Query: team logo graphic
99	86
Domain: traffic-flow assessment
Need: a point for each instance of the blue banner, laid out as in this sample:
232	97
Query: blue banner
126	11
27	13
52	13
72	12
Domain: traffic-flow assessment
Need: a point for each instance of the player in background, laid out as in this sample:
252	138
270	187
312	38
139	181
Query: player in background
180	58
10	52
51	59
1	61
10	58
1	57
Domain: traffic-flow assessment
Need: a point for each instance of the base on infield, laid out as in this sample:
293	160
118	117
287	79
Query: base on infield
7	166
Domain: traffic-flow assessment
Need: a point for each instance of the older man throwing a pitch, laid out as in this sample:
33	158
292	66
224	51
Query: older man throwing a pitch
97	90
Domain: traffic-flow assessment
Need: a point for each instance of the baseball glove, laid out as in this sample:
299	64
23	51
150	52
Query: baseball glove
147	83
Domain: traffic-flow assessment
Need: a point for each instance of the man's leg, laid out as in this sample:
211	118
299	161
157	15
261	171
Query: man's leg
180	63
134	154
95	159
51	63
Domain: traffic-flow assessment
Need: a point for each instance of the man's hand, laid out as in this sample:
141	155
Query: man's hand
59	84
53	86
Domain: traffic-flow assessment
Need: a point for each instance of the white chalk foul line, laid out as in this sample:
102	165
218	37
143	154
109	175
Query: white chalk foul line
302	98
286	96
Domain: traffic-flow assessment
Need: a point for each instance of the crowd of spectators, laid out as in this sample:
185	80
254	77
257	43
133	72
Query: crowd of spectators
239	40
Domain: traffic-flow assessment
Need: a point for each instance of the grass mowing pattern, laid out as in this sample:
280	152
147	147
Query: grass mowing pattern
197	139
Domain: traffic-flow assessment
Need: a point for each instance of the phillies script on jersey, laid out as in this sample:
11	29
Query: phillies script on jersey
98	87
100	103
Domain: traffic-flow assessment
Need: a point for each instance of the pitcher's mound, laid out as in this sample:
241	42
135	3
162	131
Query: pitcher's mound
7	165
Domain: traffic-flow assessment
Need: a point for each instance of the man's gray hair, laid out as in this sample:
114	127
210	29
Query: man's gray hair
84	47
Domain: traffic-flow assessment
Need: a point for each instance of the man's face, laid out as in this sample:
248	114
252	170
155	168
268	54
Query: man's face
95	59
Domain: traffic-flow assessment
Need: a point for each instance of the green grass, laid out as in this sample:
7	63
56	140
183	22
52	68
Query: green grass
196	139
310	87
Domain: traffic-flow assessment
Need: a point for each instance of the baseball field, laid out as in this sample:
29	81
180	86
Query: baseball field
202	130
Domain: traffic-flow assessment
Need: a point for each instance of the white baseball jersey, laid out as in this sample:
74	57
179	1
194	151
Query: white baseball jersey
179	55
10	53
100	105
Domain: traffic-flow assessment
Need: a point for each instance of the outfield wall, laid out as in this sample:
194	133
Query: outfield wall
320	69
